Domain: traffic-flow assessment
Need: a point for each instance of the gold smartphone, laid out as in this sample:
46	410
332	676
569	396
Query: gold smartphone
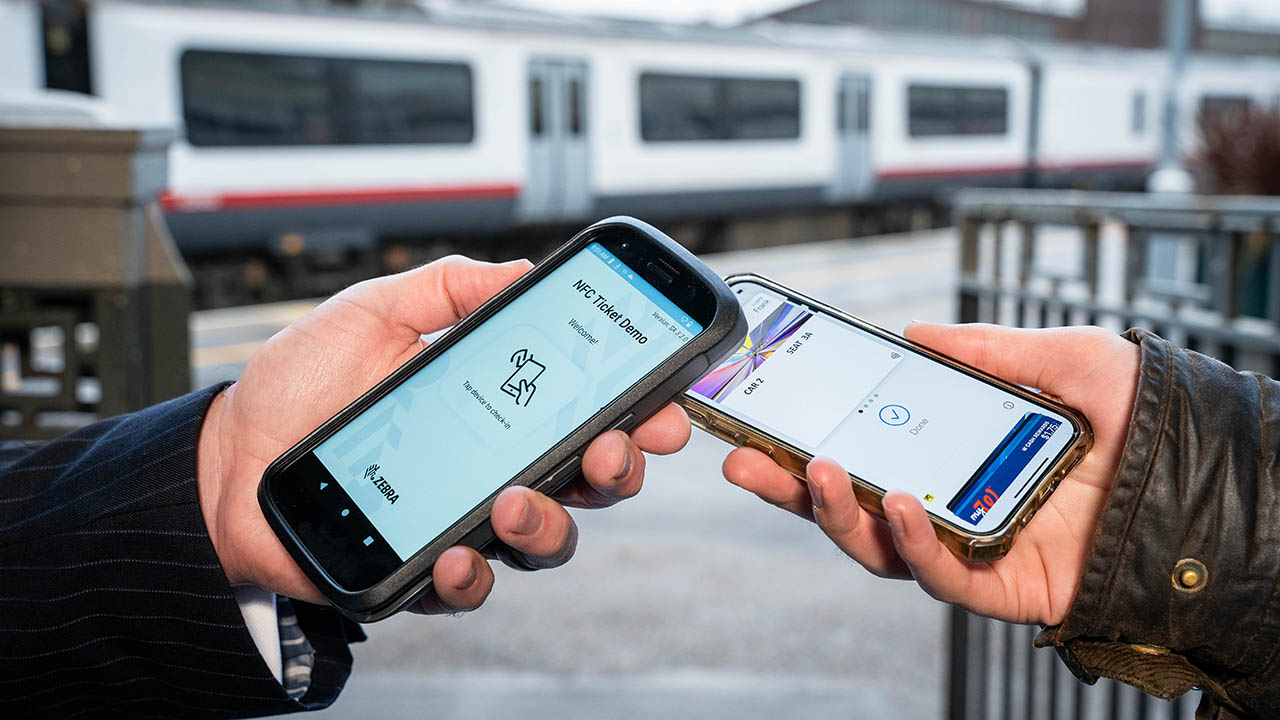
982	454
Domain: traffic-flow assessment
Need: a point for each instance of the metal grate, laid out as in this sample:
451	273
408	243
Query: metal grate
49	359
1195	270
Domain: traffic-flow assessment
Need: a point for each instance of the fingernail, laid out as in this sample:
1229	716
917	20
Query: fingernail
469	580
530	520
913	323
815	494
626	464
894	517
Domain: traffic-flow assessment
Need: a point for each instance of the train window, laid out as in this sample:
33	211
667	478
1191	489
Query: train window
691	107
1138	124
677	107
1224	105
66	47
934	110
762	109
253	99
536	122
240	99
842	112
862	110
575	106
395	102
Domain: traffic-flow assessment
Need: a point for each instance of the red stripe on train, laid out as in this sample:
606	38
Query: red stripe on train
175	202
1121	164
973	170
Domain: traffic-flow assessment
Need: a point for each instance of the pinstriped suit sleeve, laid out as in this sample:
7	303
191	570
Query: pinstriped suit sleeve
112	601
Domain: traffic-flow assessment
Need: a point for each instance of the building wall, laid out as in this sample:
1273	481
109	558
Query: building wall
1128	23
961	17
1125	23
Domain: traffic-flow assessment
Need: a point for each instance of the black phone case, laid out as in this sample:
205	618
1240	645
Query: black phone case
550	472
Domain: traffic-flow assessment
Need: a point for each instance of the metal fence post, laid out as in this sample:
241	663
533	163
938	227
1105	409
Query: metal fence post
957	666
1092	232
970	230
1026	265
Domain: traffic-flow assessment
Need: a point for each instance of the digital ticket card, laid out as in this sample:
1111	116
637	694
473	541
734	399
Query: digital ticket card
1002	466
803	371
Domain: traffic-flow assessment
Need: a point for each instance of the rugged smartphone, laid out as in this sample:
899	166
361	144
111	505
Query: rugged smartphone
600	335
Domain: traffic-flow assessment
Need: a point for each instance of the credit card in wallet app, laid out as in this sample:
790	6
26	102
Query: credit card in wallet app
1002	466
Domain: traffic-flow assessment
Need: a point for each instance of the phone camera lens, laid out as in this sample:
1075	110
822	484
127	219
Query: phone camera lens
626	245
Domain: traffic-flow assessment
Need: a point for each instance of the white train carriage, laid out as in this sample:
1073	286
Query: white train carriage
1098	115
350	128
340	127
941	120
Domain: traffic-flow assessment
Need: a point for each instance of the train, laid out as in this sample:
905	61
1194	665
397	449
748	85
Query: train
306	127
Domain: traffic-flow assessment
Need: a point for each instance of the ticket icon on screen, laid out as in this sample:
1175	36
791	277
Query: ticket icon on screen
1002	466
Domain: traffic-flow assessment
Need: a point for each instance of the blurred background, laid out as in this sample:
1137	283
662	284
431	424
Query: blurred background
180	180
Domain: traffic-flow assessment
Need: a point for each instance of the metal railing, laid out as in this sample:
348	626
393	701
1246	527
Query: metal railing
93	296
1195	269
1203	272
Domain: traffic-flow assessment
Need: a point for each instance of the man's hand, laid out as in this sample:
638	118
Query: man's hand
318	365
1090	369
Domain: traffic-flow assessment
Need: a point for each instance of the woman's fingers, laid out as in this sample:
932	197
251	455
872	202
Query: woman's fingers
754	472
861	536
1089	368
939	572
1018	355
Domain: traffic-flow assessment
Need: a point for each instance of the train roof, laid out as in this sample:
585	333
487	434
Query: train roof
850	40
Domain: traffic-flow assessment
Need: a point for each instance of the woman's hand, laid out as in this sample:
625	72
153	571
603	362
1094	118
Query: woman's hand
1090	369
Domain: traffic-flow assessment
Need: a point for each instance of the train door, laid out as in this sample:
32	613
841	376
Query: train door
559	185
854	178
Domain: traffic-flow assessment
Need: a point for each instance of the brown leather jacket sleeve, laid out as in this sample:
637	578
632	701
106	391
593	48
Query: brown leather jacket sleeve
1180	587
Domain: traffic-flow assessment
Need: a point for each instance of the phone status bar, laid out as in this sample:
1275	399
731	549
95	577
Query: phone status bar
624	271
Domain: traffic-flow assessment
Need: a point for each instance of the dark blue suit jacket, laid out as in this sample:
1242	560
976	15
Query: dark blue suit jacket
112	601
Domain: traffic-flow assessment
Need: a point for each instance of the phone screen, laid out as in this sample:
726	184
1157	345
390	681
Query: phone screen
454	433
891	416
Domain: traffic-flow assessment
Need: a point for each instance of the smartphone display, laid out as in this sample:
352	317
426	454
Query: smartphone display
383	484
894	417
